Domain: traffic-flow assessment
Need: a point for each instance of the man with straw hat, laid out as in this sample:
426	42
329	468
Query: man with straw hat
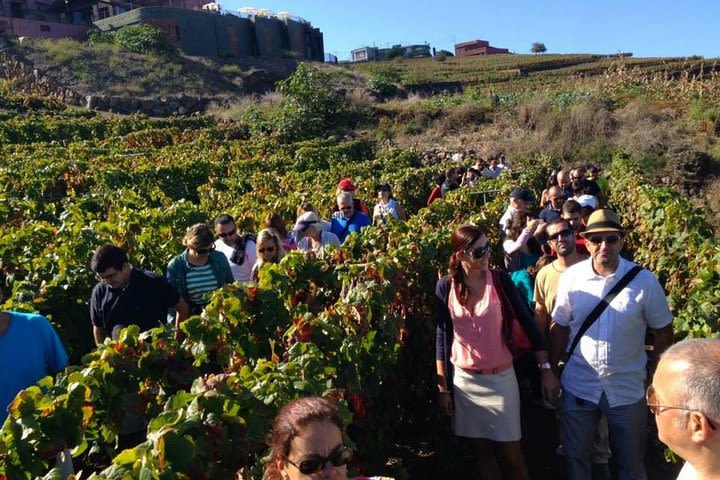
604	306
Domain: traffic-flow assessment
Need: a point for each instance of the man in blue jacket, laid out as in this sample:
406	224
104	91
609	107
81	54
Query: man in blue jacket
350	220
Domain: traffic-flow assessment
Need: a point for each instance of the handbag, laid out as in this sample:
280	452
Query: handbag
600	308
516	338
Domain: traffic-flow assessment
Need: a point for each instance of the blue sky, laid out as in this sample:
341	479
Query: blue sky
660	28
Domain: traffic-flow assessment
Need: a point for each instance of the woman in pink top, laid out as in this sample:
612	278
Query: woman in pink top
476	378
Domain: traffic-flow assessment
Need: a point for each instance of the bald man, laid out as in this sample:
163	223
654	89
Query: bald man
685	398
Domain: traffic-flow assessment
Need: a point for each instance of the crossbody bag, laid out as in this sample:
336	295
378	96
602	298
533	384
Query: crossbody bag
600	308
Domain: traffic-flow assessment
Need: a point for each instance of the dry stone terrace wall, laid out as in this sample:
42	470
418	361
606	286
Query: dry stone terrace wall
27	79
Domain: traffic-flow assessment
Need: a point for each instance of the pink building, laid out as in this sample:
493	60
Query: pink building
69	18
477	47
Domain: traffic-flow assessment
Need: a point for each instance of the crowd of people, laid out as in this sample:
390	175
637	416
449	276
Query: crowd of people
565	301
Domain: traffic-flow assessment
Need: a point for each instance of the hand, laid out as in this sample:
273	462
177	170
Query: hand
550	385
533	224
446	403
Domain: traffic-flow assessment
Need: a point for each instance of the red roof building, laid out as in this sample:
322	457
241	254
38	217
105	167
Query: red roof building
477	47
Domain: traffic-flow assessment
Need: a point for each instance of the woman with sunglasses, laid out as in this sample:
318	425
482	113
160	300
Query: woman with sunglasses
306	441
269	246
387	209
474	311
199	270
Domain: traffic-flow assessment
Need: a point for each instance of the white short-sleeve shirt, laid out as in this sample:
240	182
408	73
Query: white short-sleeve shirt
611	355
241	273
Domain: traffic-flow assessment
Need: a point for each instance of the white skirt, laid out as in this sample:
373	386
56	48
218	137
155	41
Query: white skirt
487	406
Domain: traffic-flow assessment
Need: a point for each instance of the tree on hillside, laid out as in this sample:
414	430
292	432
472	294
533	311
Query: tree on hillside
538	47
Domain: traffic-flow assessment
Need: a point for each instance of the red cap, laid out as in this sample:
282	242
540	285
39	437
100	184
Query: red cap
346	184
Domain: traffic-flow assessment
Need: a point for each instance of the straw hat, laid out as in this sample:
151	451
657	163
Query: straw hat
601	221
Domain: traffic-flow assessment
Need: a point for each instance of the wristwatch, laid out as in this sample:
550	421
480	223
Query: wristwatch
544	366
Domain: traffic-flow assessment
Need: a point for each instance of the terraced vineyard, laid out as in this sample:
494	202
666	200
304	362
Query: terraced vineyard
353	326
514	73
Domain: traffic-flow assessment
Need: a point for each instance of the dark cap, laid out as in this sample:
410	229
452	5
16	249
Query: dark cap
522	194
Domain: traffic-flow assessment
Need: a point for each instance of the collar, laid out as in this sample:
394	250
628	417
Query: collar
623	266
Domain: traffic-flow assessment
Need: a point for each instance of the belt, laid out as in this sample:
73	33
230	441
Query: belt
489	371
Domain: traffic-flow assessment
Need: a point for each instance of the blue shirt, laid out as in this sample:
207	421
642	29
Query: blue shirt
29	350
342	227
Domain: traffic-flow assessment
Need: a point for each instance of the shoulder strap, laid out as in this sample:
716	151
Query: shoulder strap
602	305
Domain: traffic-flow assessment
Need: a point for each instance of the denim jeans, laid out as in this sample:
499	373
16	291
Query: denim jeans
627	425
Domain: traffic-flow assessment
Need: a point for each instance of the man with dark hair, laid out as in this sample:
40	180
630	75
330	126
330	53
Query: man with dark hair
606	360
561	238
239	249
581	185
450	182
572	212
128	296
30	349
436	192
685	398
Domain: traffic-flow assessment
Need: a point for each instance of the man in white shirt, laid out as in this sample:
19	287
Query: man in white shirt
239	249
606	372
685	398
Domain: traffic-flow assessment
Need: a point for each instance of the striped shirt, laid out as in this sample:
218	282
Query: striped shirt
200	282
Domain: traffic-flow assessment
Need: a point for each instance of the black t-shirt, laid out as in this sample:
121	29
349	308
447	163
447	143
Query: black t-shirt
548	214
144	302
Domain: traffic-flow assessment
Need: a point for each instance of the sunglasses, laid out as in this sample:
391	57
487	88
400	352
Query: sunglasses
561	234
608	239
108	277
479	252
266	249
656	409
204	251
348	207
228	234
337	458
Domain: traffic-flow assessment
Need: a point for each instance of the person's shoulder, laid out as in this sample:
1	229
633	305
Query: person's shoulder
579	270
147	277
32	322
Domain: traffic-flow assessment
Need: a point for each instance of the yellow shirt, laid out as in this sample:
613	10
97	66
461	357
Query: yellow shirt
546	284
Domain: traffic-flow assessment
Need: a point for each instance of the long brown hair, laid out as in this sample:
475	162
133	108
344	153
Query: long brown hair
461	240
289	423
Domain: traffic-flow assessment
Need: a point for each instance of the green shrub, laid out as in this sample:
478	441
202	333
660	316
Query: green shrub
97	37
382	84
62	50
144	39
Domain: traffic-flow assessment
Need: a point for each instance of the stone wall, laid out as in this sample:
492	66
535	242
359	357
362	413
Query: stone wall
30	80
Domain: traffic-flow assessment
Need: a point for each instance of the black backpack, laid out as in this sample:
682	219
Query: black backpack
238	255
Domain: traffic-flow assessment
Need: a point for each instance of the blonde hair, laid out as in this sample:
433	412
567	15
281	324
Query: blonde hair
274	236
199	235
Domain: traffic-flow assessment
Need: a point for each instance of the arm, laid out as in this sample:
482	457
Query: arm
401	212
181	312
512	246
559	338
100	334
443	322
542	319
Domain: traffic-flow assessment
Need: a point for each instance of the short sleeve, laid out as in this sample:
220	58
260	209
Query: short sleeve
250	252
562	314
96	315
538	289
55	356
656	310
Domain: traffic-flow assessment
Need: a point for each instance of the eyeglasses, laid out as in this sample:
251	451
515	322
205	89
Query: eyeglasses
554	199
656	409
266	249
346	207
561	234
340	456
204	251
576	178
228	234
608	239
479	252
108	277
